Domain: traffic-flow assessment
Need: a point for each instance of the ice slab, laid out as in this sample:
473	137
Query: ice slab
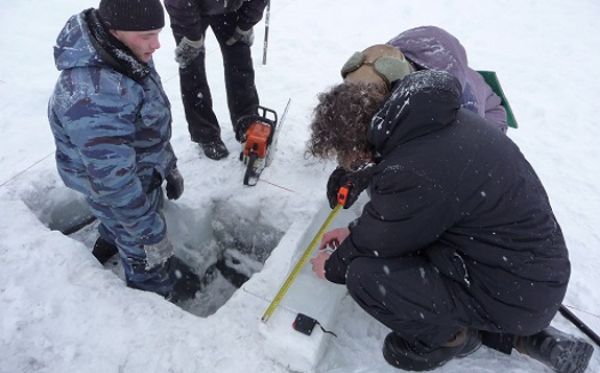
308	294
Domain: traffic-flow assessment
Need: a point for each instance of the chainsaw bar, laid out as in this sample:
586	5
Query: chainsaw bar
254	167
273	147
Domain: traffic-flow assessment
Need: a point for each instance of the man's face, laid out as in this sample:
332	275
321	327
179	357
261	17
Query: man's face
142	43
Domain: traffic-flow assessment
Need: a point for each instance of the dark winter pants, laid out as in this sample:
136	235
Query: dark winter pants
411	297
242	98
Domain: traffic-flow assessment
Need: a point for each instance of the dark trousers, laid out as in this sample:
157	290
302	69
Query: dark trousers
242	98
411	297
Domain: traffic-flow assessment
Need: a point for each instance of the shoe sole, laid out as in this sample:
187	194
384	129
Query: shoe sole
215	158
211	154
411	365
570	356
424	365
470	349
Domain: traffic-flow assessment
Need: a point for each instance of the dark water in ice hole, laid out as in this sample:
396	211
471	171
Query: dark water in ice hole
239	240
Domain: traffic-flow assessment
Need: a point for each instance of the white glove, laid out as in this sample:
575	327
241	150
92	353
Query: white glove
246	36
187	50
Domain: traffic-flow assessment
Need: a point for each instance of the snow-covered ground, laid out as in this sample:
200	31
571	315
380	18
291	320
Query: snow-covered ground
60	311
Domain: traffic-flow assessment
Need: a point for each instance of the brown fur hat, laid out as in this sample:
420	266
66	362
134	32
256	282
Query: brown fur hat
366	72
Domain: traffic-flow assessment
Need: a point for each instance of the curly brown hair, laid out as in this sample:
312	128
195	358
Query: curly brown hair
341	120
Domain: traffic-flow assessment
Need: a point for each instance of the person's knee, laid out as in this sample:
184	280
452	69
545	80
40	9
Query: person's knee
360	275
238	56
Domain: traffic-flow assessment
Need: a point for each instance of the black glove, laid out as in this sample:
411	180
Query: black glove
174	184
358	181
187	50
242	125
246	36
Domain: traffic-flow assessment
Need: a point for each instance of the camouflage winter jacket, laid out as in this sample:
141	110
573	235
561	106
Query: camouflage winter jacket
111	123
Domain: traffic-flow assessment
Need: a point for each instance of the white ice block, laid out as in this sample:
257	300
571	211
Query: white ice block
308	294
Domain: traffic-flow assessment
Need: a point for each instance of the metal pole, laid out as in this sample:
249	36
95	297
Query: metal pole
266	41
579	324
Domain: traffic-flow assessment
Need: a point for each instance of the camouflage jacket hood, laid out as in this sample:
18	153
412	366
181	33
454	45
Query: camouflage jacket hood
74	47
84	42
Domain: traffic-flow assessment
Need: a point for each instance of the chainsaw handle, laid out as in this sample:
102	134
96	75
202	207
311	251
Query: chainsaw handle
264	111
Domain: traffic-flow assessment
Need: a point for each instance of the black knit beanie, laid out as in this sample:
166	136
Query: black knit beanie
132	15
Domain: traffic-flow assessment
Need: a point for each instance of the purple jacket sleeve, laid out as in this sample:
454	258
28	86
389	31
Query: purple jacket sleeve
489	104
186	19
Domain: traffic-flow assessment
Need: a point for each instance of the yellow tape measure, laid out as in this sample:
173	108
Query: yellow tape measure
342	196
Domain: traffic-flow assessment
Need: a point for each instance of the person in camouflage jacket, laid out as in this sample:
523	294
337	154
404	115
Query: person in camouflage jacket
111	123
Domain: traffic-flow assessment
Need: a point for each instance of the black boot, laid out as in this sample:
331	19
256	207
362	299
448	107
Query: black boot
561	352
408	356
215	149
187	283
104	250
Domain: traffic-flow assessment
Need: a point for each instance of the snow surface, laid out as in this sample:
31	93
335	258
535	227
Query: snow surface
60	311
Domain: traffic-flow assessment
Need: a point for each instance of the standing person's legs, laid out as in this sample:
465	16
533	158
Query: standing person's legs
131	251
242	97
197	100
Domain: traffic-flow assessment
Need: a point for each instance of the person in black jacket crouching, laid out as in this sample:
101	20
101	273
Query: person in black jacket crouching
458	243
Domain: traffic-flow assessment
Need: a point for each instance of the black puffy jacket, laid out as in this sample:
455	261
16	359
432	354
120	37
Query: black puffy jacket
187	15
450	185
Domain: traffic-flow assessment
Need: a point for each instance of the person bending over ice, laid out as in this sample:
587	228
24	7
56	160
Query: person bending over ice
458	244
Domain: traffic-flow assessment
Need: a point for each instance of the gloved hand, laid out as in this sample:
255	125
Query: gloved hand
187	50
242	125
245	121
246	36
174	184
359	180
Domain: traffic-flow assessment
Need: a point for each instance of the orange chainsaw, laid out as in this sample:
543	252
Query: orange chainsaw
260	144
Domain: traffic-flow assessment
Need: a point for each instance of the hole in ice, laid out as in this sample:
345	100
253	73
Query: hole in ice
225	243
